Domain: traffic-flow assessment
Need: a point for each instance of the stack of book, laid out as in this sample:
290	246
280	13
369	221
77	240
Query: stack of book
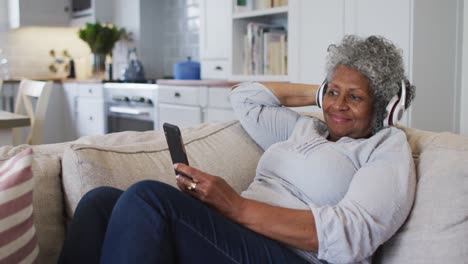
248	5
265	50
261	4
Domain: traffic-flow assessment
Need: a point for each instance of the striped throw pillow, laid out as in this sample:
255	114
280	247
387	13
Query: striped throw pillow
18	243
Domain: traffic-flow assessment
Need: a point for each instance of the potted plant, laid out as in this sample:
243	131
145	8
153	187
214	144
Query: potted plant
101	39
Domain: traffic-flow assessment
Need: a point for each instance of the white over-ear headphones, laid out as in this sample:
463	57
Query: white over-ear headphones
395	108
320	92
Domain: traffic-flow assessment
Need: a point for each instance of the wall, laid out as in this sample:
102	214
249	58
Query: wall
126	15
3	15
27	50
464	85
164	32
436	67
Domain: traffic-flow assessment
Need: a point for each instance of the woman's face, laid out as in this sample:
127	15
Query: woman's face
348	105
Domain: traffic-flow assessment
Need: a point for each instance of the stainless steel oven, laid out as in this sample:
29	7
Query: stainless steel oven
130	106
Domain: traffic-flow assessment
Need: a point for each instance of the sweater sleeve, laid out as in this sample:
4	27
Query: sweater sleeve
377	203
262	115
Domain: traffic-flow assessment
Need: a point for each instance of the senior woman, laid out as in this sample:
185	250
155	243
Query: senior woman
330	191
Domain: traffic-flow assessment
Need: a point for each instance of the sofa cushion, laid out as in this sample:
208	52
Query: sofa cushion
436	230
222	149
18	242
48	196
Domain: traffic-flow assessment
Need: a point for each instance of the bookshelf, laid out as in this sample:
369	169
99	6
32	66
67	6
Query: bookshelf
267	56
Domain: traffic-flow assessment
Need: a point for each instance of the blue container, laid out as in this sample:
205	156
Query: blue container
187	70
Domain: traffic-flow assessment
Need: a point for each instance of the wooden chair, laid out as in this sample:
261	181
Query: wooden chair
32	100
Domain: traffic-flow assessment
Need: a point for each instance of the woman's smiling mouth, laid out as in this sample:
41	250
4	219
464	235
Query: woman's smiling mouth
339	119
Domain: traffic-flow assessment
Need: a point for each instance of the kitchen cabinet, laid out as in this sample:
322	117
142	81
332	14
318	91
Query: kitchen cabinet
428	33
84	104
90	116
181	105
314	25
214	45
101	10
38	13
218	108
187	106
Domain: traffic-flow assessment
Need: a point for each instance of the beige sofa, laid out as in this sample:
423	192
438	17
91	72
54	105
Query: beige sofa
435	232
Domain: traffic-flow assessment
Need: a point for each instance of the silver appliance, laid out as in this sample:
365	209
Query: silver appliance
130	106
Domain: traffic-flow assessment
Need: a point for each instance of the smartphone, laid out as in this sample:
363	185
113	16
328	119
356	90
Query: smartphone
176	145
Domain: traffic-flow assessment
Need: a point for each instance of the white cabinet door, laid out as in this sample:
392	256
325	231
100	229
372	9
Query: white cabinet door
214	24
390	19
218	115
313	26
39	13
90	118
183	116
70	92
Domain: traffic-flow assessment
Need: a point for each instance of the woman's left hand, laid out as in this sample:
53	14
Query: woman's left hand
212	190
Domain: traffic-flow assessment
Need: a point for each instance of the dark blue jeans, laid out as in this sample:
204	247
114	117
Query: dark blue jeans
153	222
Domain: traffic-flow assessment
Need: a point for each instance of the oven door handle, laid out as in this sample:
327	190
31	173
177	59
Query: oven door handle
129	110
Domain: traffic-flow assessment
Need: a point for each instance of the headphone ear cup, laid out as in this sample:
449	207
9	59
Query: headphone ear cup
320	93
396	107
390	109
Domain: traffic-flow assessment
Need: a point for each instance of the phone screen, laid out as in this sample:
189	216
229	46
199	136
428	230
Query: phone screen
175	144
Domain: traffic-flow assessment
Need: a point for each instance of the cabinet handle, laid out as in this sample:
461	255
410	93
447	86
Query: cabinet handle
90	118
218	68
90	91
177	94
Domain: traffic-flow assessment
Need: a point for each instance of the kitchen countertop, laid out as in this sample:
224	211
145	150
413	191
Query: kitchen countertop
58	80
209	83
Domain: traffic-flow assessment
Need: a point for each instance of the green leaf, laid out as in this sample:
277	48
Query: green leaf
101	38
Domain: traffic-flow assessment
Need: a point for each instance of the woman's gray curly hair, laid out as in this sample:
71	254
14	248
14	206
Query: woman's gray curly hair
380	61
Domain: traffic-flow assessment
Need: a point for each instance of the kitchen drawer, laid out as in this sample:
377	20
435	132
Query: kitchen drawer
183	116
214	69
90	89
183	95
219	97
218	115
90	117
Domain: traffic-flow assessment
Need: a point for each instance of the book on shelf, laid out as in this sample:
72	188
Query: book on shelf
243	6
265	49
249	5
263	4
277	3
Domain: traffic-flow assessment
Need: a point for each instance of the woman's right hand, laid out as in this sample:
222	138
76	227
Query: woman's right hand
290	226
210	189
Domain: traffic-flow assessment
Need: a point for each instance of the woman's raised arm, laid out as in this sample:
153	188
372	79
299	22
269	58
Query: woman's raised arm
293	94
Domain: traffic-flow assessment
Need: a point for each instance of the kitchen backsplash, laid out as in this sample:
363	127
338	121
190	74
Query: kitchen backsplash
28	51
182	26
